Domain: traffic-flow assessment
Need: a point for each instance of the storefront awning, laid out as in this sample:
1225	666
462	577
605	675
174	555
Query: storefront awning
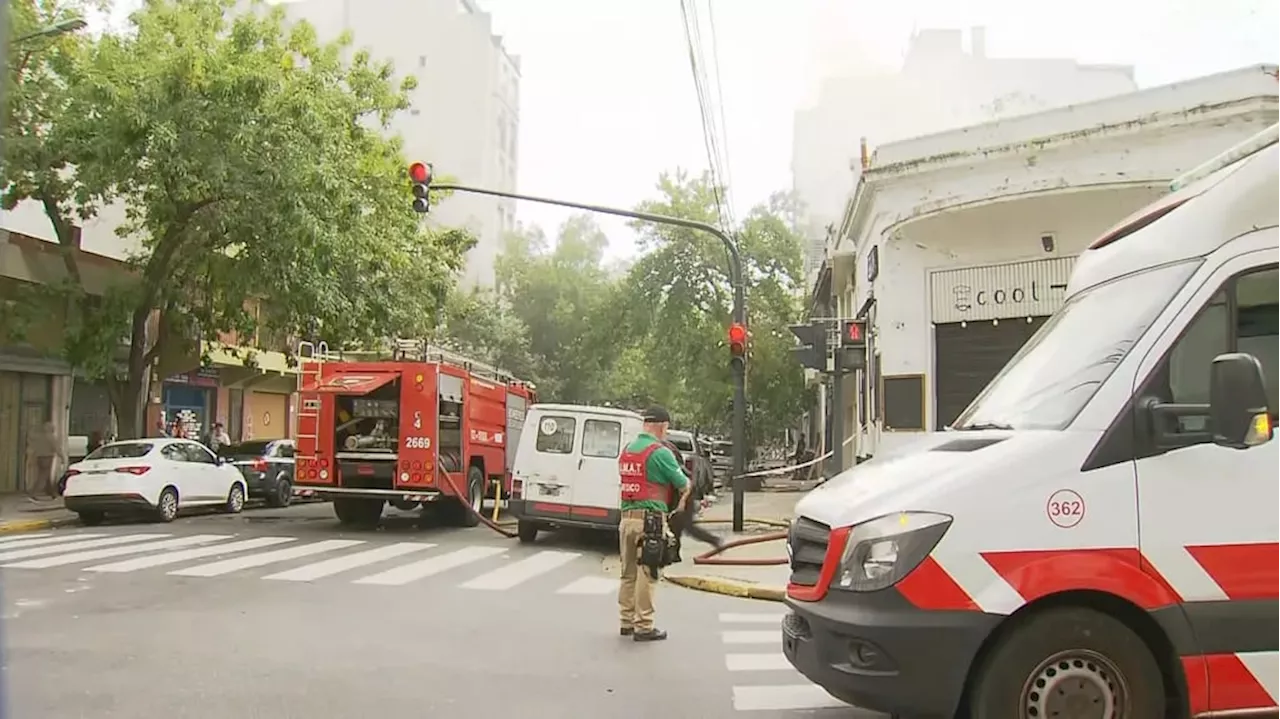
353	383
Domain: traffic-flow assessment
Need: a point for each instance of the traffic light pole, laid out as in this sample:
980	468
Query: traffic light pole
739	427
837	412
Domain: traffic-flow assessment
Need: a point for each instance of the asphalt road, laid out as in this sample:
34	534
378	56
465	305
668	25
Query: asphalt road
279	614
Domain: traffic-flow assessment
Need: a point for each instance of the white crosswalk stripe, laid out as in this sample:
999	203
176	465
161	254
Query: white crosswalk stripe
46	550
93	555
227	566
764	679
329	567
480	567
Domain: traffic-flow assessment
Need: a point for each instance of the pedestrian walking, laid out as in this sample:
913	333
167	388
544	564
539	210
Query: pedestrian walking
685	521
649	474
44	451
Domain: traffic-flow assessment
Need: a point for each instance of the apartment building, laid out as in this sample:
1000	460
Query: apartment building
465	117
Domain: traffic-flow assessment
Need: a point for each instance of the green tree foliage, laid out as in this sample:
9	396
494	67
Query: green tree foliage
252	161
655	332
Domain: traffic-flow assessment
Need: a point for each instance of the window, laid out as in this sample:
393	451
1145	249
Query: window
555	435
601	438
121	450
195	453
1241	317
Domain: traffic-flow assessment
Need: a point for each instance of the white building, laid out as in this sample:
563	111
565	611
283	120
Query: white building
466	111
940	86
957	246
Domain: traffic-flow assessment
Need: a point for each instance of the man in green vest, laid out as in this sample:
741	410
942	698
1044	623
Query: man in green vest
650	478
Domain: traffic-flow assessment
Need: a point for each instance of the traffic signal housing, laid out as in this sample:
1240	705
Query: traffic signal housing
812	350
737	340
420	173
853	333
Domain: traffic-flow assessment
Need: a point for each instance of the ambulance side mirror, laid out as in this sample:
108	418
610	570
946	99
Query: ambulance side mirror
1238	412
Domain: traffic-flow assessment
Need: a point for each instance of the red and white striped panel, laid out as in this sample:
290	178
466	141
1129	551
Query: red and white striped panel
1002	582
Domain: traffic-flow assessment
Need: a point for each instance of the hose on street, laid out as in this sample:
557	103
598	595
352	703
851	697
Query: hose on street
453	486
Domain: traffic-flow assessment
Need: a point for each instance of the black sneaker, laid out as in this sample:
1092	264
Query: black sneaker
626	631
653	635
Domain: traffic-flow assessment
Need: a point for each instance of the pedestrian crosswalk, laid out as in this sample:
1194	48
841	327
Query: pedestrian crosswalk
763	678
478	568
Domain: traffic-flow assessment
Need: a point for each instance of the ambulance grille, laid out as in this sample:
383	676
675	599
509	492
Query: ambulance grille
807	545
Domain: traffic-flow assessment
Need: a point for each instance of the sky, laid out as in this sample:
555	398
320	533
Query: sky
608	101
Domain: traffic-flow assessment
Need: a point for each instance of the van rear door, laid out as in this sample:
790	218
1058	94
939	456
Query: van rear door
596	488
549	470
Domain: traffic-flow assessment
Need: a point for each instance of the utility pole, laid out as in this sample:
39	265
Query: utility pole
739	315
850	354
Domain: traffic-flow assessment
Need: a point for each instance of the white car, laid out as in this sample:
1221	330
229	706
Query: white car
156	476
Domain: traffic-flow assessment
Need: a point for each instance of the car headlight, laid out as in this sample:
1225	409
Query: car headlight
881	551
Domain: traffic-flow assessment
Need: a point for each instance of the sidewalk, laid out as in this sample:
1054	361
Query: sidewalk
19	514
767	582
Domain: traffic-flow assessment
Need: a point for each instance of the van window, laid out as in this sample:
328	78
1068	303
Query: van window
555	434
1241	317
601	438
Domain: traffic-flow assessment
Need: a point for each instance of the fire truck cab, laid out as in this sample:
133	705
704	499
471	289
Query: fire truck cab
1097	534
407	430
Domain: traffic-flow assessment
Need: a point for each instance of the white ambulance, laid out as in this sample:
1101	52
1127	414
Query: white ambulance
1097	536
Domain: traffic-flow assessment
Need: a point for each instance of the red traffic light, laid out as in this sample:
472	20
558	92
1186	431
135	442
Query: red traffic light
737	334
854	333
420	172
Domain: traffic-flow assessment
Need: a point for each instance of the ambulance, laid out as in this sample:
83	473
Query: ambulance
1096	535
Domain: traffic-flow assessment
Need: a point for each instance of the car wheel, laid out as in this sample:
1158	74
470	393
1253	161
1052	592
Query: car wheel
527	531
283	493
167	505
92	519
235	499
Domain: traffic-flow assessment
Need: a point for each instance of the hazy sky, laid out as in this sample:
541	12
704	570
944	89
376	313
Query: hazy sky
607	98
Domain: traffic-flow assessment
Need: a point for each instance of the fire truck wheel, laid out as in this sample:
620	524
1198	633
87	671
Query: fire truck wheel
1065	661
527	531
364	513
468	511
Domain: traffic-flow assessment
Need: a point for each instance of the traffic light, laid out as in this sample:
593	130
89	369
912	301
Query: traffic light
737	340
420	174
812	350
853	333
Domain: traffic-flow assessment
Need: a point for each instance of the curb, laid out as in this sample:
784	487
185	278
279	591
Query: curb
17	526
728	587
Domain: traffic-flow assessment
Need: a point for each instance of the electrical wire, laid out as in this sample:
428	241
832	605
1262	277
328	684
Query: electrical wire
708	138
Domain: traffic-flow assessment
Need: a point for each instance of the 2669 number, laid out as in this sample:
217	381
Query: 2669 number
417	443
1066	508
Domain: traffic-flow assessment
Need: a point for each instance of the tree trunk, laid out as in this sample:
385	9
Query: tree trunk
131	408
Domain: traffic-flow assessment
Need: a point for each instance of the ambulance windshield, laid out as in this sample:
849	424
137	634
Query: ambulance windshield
1059	369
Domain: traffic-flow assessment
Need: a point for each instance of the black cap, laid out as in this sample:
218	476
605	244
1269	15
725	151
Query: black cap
656	414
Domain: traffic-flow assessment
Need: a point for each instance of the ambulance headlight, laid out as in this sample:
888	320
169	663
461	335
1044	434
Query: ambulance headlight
881	551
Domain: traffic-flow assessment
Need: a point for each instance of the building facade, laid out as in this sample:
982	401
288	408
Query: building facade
957	246
941	85
465	117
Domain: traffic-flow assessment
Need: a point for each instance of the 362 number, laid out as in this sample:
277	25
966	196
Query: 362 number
417	443
1066	508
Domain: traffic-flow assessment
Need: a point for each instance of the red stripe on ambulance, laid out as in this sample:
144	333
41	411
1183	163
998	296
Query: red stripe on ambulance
929	586
1222	683
1243	571
1117	571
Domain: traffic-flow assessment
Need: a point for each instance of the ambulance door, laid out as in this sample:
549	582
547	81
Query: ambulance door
1207	514
599	483
551	472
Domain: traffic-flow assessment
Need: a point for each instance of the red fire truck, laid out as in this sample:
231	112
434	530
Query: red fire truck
381	431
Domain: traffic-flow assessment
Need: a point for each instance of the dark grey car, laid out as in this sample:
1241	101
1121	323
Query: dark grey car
267	467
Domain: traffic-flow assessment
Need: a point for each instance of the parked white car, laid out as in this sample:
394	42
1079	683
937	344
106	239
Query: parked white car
155	476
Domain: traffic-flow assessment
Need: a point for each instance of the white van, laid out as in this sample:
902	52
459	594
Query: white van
565	472
1097	536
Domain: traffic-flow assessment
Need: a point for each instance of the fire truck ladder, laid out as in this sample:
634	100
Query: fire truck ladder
422	351
317	353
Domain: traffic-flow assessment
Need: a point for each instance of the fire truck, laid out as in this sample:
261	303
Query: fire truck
405	429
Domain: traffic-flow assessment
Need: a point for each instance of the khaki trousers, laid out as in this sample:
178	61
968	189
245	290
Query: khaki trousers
635	592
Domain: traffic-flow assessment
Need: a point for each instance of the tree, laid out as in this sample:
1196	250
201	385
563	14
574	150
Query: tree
566	299
678	296
255	170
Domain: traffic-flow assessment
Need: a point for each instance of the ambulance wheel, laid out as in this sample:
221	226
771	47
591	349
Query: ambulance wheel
527	531
363	513
1068	662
